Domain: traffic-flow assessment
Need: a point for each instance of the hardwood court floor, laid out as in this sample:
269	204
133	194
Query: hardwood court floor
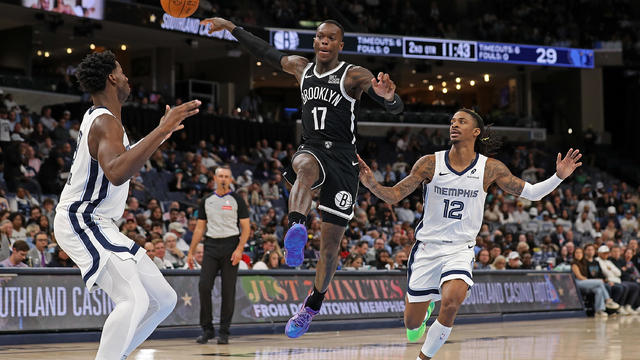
584	338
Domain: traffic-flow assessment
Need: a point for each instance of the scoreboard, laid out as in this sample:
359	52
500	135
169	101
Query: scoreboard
439	49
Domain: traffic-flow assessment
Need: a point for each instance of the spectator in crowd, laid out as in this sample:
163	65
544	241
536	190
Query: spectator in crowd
514	261
613	274
355	261
482	260
160	252
499	263
584	225
271	260
178	230
382	261
616	290
197	257
60	258
400	260
151	251
39	256
629	223
405	213
602	299
47	120
19	254
173	255
18	232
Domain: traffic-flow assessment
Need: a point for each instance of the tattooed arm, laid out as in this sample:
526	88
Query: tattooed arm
497	172
421	171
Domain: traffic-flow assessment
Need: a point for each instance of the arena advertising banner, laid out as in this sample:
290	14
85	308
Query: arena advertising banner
46	302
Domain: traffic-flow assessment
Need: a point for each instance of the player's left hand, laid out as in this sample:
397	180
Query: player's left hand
384	86
566	166
236	257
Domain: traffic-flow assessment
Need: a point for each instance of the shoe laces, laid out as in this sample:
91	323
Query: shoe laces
302	318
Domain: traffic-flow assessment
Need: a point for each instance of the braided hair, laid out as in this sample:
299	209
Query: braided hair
486	143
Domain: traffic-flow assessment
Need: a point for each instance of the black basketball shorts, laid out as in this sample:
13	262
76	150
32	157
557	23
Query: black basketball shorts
338	179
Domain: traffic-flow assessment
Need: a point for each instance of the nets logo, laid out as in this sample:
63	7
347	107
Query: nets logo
286	40
343	200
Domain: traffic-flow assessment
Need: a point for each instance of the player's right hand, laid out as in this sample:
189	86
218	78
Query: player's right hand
190	260
173	117
366	176
217	24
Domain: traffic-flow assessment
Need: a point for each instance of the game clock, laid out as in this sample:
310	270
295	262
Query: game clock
441	49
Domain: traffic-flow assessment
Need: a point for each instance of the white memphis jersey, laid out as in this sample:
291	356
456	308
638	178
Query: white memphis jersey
88	191
454	202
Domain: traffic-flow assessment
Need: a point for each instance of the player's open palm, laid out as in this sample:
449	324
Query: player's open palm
383	86
173	117
566	166
366	175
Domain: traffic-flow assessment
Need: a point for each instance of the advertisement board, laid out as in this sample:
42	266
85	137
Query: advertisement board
36	301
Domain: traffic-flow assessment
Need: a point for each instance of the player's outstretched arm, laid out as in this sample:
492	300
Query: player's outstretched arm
500	174
120	164
381	89
422	171
259	48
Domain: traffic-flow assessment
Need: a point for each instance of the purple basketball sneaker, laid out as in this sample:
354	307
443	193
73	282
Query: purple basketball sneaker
299	323
294	243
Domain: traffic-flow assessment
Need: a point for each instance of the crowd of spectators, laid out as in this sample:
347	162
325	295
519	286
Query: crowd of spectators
588	214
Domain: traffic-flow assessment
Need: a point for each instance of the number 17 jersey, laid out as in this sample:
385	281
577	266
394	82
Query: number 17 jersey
453	202
328	112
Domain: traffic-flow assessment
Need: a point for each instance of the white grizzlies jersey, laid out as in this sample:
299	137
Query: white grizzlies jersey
454	202
88	190
84	223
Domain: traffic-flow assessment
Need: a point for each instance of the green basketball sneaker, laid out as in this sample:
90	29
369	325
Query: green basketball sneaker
415	334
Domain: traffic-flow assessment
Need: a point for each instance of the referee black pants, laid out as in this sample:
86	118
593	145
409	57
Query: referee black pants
217	256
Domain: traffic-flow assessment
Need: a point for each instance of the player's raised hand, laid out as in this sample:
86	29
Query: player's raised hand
366	175
384	86
566	166
173	117
217	24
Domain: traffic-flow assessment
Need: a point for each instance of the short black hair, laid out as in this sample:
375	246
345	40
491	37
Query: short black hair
93	71
333	22
20	245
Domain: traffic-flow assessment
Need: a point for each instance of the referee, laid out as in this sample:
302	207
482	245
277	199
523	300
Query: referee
219	215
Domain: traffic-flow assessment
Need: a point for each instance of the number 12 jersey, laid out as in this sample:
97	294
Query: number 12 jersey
453	202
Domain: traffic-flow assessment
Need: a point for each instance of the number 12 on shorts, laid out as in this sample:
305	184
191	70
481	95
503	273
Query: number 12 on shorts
455	211
323	115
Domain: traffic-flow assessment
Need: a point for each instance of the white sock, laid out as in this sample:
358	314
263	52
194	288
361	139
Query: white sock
436	337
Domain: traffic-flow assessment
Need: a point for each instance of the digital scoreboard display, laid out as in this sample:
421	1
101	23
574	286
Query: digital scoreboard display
535	55
442	49
439	49
358	44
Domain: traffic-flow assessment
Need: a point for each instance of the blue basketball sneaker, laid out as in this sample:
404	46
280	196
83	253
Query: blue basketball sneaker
299	323
294	243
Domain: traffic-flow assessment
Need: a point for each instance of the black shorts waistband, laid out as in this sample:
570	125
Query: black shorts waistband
326	144
222	240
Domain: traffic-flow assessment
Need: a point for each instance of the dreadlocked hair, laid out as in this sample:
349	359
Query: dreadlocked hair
487	143
93	71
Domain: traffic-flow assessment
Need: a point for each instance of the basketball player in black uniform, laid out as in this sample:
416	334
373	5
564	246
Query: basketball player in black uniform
331	92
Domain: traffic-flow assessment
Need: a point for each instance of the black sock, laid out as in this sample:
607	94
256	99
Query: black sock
296	218
314	301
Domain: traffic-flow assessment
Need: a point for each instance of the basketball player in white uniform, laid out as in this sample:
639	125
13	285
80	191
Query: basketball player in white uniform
455	184
95	196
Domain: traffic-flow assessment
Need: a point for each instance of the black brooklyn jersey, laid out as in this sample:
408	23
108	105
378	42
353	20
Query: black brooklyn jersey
328	112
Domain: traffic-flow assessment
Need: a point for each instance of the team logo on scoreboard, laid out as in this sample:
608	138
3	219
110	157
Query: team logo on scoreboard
286	40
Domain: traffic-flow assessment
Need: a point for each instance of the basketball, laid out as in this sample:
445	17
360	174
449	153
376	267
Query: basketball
180	8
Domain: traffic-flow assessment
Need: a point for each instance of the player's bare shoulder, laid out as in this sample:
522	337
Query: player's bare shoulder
358	78
425	167
497	172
